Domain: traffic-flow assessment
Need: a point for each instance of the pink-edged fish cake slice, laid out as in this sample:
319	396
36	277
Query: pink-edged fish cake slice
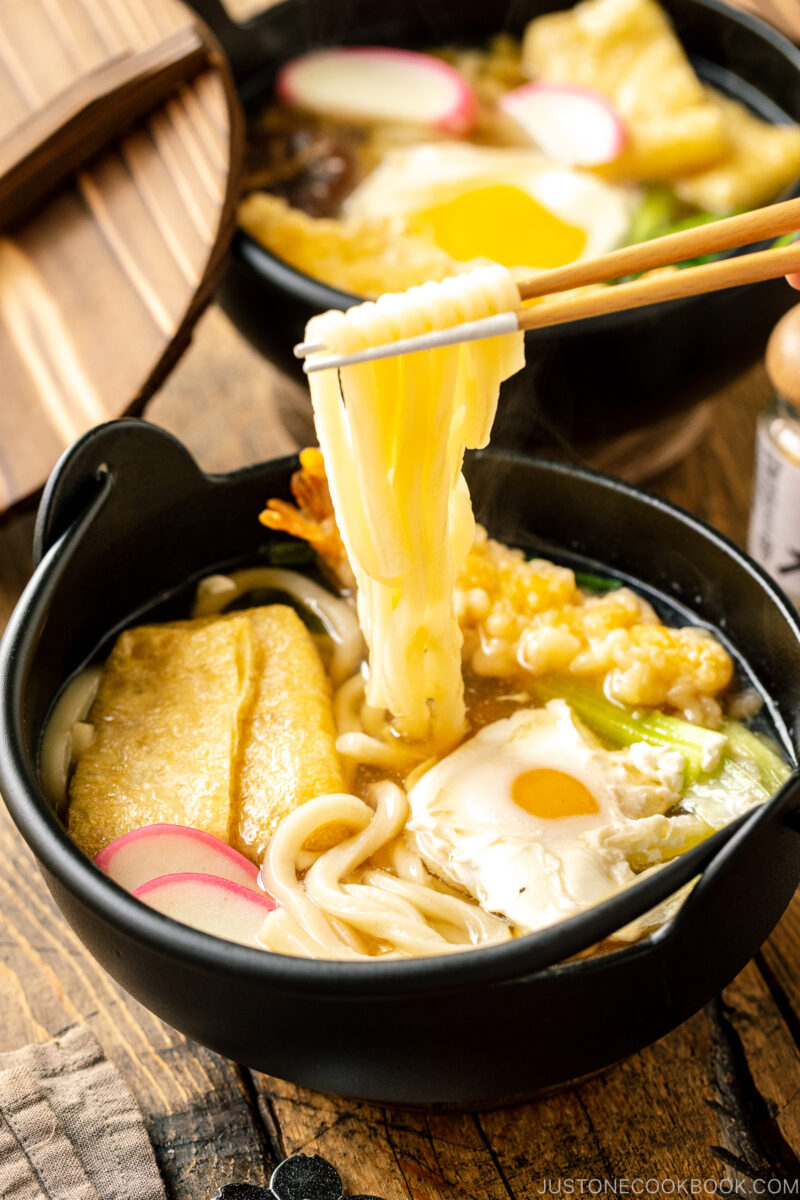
157	850
379	83
574	125
216	906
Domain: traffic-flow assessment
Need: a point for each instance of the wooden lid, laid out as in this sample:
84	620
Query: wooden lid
100	287
783	356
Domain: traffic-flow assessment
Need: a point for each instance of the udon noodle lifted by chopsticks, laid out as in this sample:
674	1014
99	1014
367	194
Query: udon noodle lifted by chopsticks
393	435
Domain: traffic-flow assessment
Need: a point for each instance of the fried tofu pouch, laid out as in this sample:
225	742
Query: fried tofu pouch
288	754
628	51
222	723
166	718
763	160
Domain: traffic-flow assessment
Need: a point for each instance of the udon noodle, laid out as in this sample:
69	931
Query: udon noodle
216	592
393	435
346	908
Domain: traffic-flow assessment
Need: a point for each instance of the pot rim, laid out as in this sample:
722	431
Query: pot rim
507	963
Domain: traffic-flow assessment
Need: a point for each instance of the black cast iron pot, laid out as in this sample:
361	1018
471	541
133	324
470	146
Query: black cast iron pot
583	382
127	524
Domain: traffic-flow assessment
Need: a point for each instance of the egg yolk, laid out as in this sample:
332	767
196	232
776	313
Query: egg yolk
503	223
552	794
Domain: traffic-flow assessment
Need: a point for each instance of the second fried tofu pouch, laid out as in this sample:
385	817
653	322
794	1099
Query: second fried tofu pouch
288	747
166	718
628	51
762	161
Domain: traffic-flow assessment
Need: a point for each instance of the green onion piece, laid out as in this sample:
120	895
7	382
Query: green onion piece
623	726
744	744
659	214
656	212
596	583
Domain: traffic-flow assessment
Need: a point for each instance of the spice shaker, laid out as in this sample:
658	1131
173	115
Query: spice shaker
774	536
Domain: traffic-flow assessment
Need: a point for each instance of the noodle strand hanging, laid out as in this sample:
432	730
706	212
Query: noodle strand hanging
393	434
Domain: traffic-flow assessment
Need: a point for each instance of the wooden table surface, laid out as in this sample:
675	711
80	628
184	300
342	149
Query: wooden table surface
717	1101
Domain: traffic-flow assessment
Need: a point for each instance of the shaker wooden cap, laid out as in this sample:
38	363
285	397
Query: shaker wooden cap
783	356
101	285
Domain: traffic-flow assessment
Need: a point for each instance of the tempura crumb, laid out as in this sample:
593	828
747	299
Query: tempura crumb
532	615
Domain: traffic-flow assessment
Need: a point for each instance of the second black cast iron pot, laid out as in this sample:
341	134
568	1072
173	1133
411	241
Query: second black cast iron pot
583	382
127	524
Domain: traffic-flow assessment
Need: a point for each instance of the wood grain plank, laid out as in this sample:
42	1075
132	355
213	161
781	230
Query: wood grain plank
717	1099
781	958
43	349
106	26
12	102
125	222
725	1083
222	400
15	455
757	1073
622	1124
33	53
77	33
155	185
388	1152
54	284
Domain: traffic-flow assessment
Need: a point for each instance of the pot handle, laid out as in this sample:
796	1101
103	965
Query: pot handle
143	453
247	44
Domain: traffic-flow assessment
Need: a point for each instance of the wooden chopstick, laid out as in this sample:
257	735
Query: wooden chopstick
729	233
726	234
94	110
691	281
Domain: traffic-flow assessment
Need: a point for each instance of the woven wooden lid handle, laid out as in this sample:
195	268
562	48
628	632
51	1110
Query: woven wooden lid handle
92	113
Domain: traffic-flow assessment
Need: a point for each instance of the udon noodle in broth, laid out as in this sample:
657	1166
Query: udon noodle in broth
464	747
